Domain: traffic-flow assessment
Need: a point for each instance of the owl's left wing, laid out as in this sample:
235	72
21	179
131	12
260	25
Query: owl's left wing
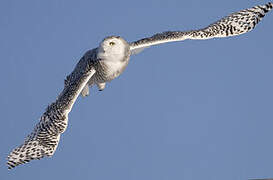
44	139
232	25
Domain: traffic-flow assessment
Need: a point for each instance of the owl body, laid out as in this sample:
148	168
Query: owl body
108	66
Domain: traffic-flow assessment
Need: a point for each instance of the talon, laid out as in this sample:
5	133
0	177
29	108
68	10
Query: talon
101	86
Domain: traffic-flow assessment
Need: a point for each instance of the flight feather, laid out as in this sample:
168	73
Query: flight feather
234	24
44	139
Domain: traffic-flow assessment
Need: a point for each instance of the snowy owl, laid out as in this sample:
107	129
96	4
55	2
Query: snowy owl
105	63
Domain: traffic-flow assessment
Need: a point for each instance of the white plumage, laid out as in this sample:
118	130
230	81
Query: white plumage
105	63
231	25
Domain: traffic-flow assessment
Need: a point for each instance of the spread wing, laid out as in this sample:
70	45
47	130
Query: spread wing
232	25
44	139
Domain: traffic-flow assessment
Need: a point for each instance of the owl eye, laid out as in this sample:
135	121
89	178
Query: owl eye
111	43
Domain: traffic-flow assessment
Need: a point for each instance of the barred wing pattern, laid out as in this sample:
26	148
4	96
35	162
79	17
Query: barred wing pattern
44	139
232	25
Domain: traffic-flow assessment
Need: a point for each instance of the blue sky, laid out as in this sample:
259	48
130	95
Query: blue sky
184	110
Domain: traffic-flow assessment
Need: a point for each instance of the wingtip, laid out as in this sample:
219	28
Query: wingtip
10	165
269	6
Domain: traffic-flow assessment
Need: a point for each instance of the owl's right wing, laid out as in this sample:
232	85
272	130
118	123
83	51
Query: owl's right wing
44	139
232	25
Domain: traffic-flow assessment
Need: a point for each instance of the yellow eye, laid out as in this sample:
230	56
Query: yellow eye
111	43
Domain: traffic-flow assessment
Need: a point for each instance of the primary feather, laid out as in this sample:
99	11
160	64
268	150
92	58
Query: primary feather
232	25
44	139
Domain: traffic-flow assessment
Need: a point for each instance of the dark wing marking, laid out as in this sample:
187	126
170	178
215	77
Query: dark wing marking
44	139
232	25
